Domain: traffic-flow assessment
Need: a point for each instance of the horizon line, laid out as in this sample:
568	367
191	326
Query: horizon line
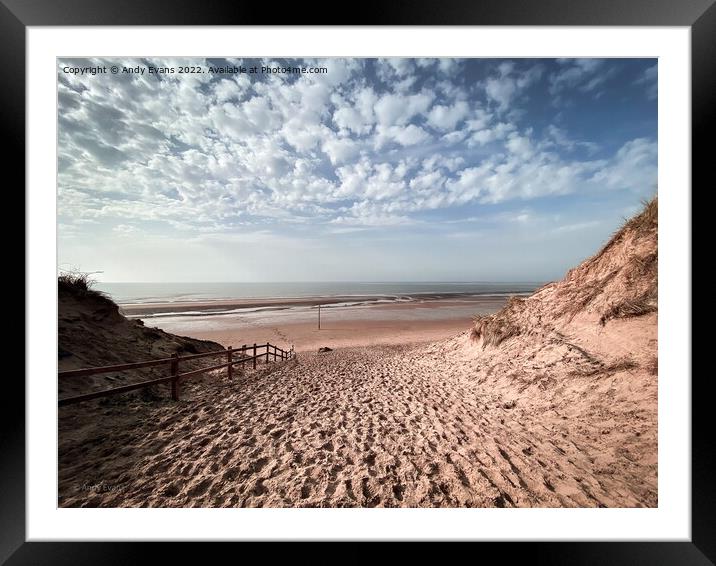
460	282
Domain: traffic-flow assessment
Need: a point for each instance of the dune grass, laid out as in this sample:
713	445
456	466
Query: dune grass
496	328
80	285
630	308
646	220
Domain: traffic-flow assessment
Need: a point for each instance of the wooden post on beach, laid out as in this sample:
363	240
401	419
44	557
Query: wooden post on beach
254	355
243	355
230	368
267	351
175	376
319	316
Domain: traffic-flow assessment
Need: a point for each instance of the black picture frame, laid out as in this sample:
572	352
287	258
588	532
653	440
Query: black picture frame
699	15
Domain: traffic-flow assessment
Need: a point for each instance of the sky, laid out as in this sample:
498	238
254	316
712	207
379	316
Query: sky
374	170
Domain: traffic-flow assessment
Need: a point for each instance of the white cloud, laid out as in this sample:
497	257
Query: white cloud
634	167
584	75
559	138
410	135
301	136
428	181
398	72
340	150
350	119
576	227
520	146
235	87
448	66
649	79
452	138
371	214
488	135
509	82
212	156
501	90
447	117
400	65
405	136
397	109
125	229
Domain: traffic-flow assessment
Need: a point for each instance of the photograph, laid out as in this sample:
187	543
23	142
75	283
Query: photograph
357	282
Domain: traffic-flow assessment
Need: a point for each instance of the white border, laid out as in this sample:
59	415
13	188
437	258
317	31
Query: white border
670	521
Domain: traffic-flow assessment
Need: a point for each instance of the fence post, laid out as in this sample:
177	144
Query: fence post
267	351
228	359
175	376
243	355
254	355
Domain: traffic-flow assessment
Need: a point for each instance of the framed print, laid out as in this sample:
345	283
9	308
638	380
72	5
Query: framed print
392	279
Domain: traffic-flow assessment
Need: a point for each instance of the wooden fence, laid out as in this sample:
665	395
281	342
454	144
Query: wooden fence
175	378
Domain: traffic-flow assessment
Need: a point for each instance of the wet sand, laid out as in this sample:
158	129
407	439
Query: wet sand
206	307
217	306
342	334
410	322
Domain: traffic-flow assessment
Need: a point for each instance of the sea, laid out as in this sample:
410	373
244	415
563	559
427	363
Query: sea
137	293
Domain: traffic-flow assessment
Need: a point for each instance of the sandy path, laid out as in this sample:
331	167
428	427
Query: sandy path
382	426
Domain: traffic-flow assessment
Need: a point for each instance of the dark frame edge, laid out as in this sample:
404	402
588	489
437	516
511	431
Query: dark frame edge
703	87
12	416
371	12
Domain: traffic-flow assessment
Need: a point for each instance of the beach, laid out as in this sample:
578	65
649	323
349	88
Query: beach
345	321
403	411
408	405
382	282
422	399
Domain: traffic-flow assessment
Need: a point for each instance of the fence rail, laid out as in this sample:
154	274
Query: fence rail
175	378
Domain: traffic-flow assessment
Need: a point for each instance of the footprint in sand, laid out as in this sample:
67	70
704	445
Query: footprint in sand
200	488
277	433
370	458
306	490
259	489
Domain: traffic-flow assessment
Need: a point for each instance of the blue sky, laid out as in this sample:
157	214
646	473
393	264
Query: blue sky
377	170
